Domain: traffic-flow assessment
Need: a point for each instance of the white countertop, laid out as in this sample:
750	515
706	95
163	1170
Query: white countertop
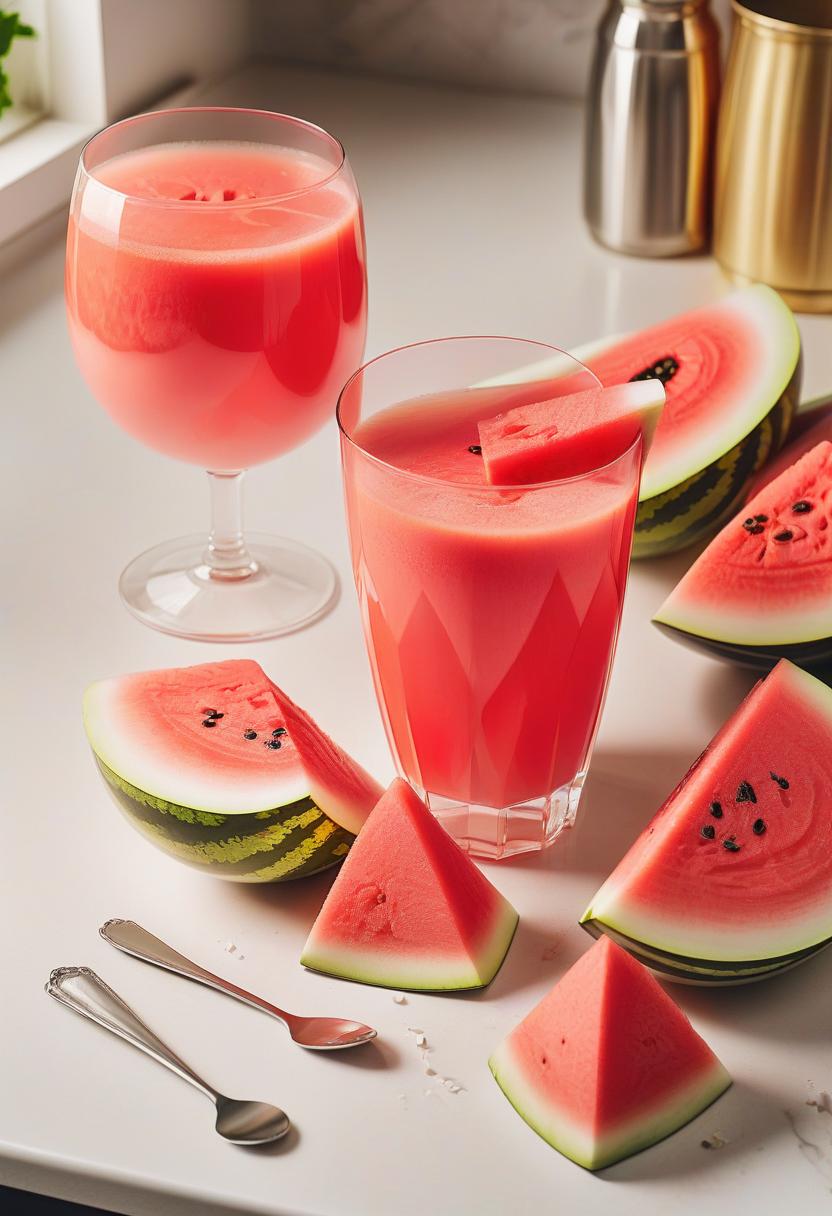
472	209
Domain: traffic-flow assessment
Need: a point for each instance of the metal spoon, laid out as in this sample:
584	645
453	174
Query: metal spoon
81	989
317	1034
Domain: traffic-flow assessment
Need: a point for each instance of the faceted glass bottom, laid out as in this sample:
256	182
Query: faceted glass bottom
497	832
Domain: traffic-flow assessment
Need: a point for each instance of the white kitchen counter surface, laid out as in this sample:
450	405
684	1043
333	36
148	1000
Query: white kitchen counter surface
472	208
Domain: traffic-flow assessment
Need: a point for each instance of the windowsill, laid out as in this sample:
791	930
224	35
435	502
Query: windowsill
17	119
35	166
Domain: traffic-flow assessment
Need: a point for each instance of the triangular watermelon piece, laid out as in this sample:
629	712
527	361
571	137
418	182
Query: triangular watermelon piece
763	587
409	909
607	1064
569	435
734	873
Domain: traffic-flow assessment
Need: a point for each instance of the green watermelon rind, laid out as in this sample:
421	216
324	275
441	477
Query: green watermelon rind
682	969
410	974
275	845
695	509
560	1131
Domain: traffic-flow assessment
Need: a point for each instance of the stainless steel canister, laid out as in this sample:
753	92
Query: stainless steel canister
650	125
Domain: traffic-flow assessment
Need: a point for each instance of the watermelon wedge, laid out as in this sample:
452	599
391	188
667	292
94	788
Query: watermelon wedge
607	1064
409	909
571	435
732	879
219	768
762	589
803	442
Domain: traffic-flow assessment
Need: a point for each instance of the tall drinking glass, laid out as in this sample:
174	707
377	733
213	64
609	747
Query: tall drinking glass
216	295
490	614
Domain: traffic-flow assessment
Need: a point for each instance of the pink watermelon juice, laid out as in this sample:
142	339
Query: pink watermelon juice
490	614
216	296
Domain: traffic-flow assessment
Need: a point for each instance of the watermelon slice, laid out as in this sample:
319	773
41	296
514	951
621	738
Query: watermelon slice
762	589
803	442
569	436
409	909
732	879
607	1064
218	767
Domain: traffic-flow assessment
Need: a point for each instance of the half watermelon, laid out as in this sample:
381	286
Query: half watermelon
732	879
219	768
762	590
607	1064
731	371
409	909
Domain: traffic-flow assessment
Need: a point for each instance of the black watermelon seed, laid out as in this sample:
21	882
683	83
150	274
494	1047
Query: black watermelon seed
250	734
802	507
281	730
209	722
708	831
752	528
475	449
215	715
758	827
274	744
749	523
716	810
781	781
663	369
761	519
731	845
745	792
783	536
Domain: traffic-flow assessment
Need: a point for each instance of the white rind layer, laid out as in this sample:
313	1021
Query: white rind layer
415	973
559	1128
744	627
115	741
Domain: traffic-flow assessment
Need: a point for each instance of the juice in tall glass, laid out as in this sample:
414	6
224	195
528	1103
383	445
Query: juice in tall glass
490	614
219	329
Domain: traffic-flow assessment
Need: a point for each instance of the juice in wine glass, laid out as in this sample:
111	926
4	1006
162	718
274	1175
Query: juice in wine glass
490	614
217	328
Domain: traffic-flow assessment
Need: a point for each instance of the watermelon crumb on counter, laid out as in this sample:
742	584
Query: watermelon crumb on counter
607	1064
762	590
220	769
731	881
570	435
732	373
409	910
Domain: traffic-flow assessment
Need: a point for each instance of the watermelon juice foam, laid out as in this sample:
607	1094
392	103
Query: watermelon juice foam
490	615
219	330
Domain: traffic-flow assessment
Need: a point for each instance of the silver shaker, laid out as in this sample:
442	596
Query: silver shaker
650	126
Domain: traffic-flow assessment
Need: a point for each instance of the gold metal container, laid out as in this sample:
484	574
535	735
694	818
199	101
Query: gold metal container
773	204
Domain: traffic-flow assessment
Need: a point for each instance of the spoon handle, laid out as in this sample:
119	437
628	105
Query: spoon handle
82	990
132	939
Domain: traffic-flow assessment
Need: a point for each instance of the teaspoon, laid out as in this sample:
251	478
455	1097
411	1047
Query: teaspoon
80	989
317	1034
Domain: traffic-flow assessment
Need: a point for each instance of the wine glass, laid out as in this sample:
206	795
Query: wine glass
216	296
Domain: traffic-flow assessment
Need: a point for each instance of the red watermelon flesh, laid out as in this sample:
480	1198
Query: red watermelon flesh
569	436
737	864
723	367
607	1064
150	728
766	579
818	432
409	909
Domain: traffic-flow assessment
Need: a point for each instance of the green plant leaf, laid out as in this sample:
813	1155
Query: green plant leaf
11	27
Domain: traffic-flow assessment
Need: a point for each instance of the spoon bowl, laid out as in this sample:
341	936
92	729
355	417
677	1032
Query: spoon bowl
327	1034
249	1123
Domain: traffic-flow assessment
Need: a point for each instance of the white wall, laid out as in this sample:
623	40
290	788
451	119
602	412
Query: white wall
541	46
151	46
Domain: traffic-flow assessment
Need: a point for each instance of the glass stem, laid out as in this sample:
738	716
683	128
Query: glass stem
226	555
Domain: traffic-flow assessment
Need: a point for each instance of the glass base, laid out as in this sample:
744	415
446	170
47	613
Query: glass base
497	832
284	587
